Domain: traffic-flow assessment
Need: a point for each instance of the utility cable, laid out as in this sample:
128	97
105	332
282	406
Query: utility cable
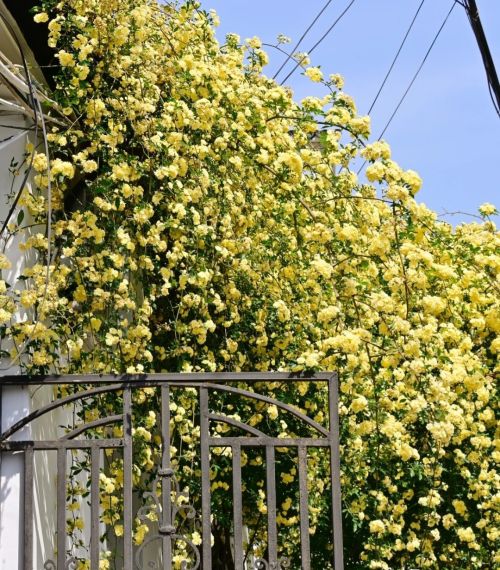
417	73
395	58
489	65
295	47
320	40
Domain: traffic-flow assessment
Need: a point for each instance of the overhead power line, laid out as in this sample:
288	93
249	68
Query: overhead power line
417	73
296	46
489	65
395	58
330	29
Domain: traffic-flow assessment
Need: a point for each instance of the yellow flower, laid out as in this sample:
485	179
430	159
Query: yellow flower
282	310
337	80
89	165
466	534
272	411
254	42
118	528
487	209
377	526
359	404
41	17
314	74
66	59
40	162
459	507
196	538
413	180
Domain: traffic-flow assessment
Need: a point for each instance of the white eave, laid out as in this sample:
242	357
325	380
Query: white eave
14	89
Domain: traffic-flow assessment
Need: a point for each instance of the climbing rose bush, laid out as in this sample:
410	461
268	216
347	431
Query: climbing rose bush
203	220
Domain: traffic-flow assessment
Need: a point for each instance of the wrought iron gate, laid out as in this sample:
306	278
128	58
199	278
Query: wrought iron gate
168	505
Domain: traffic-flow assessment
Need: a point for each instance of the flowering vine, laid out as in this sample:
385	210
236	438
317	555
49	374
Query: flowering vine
204	221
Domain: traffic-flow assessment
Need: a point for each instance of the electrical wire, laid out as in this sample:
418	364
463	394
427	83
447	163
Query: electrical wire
490	91
417	73
395	57
330	29
296	46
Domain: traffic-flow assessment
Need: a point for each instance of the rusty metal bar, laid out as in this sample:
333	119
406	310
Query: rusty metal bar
236	424
95	467
90	425
61	402
304	510
139	380
272	441
205	481
28	509
237	508
286	407
61	444
166	480
61	508
127	479
272	534
333	402
116	387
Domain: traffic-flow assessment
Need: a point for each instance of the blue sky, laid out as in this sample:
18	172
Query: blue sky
447	128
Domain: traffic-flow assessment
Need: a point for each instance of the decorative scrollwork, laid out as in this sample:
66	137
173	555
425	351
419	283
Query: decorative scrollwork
70	564
179	506
262	564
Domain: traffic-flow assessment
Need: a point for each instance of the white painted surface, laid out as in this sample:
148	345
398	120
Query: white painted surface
15	402
15	405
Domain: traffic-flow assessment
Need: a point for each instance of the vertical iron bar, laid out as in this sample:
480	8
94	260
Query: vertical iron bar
95	460
28	509
304	510
272	535
205	481
61	508
127	479
237	508
166	480
338	547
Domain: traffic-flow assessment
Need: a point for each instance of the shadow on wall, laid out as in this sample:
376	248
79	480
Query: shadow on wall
52	426
15	405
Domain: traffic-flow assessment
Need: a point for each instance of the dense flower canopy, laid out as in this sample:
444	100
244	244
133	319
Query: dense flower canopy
203	220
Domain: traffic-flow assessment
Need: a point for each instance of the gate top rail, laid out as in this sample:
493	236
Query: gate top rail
162	378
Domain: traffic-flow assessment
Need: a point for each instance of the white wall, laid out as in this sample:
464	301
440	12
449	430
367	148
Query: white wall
18	402
14	402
